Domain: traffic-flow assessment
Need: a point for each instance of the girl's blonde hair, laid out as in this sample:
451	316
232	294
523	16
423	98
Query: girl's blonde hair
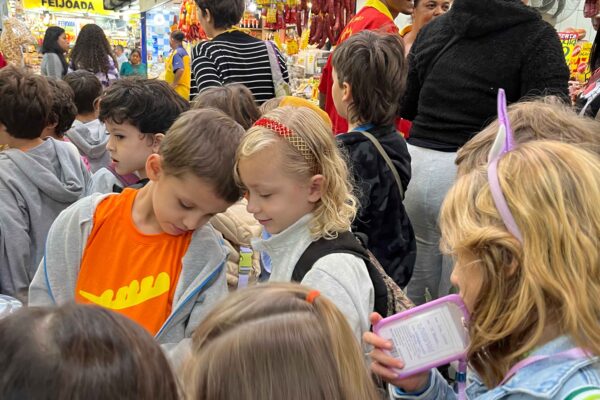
270	342
552	280
337	207
540	119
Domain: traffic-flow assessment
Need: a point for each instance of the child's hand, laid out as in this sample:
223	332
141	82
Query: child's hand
383	365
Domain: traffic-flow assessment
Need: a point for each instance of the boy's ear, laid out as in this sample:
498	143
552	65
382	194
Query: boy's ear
347	92
315	188
156	141
154	167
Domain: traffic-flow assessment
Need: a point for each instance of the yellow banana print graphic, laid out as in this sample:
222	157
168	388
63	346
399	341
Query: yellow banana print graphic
132	295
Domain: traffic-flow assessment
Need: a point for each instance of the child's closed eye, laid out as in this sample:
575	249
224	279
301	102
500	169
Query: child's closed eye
185	206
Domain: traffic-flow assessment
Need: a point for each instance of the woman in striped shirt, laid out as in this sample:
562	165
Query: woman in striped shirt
232	56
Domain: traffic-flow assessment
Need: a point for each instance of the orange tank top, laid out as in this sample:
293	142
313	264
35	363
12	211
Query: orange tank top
127	271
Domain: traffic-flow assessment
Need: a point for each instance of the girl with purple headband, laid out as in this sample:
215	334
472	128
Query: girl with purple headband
524	232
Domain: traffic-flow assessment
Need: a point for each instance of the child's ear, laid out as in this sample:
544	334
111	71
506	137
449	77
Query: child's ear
156	141
154	167
315	188
97	104
347	92
208	15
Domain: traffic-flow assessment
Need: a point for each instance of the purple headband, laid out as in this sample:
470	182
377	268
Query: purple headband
503	144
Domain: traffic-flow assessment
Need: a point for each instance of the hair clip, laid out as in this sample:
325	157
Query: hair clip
503	143
312	295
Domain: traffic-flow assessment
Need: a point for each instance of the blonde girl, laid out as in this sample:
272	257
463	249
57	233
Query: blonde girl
531	283
276	341
298	188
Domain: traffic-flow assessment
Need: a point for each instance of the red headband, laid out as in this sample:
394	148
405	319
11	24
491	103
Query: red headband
275	126
296	141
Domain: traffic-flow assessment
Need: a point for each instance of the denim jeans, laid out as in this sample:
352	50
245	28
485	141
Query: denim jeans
433	173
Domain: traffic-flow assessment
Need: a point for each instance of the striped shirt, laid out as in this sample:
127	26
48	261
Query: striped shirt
235	57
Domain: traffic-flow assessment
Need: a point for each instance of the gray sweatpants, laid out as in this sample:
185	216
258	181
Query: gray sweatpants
433	173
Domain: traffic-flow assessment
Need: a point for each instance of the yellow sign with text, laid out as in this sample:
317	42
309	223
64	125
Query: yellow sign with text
82	6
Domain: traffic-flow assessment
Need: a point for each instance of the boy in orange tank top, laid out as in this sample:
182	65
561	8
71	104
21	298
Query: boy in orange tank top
149	254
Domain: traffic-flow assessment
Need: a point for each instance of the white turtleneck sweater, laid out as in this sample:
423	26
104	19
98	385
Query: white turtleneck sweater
342	278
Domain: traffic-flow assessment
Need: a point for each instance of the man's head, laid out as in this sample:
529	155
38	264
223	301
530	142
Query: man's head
137	113
175	39
119	50
192	174
397	7
369	77
25	104
87	89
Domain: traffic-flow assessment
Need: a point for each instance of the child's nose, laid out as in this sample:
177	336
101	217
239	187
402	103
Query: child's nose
252	206
109	144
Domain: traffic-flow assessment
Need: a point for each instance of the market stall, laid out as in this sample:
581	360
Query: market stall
121	28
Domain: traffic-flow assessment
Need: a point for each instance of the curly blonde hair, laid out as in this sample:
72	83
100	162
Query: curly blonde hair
337	208
552	280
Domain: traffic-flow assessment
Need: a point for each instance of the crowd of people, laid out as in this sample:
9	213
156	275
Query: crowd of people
233	247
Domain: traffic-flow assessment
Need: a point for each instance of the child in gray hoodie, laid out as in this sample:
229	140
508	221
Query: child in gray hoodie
38	178
88	134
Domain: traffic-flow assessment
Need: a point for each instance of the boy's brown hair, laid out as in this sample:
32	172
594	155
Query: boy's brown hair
87	89
64	110
25	102
374	66
203	142
235	100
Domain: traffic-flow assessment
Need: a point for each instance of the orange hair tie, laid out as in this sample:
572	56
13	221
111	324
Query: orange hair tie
312	295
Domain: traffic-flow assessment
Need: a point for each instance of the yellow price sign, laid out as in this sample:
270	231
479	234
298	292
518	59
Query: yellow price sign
83	6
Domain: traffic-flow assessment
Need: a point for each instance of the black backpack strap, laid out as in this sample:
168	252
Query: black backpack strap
347	243
344	243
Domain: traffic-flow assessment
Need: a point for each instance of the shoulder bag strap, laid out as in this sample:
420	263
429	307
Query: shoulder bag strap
345	243
275	68
387	159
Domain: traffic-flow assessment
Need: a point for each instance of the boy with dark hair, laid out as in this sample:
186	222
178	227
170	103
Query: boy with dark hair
39	178
375	15
369	78
88	134
137	113
148	253
63	111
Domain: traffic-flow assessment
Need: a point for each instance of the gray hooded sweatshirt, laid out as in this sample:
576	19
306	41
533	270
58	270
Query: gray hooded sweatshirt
90	138
35	186
202	281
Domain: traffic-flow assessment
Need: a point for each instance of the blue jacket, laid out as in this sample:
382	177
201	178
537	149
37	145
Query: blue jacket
552	378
